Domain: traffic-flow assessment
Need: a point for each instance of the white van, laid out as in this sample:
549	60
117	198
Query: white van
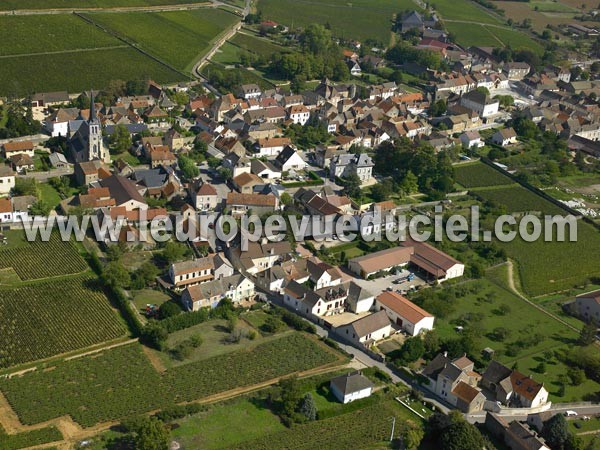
570	413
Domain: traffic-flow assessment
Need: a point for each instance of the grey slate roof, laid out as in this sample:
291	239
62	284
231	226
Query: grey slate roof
351	382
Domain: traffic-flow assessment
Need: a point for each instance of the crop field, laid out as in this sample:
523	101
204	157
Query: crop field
29	438
359	429
254	44
184	35
517	199
546	267
36	260
478	174
494	36
77	71
359	19
49	318
547	13
121	382
49	33
463	10
46	4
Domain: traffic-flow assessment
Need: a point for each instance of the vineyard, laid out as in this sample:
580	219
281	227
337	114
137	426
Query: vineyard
40	259
358	429
121	382
518	199
49	318
474	175
29	438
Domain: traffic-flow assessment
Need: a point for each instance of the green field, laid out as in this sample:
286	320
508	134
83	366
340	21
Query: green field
359	19
29	438
37	4
228	54
518	199
481	35
184	35
49	318
463	10
255	44
37	260
54	32
78	71
225	426
530	333
478	174
121	382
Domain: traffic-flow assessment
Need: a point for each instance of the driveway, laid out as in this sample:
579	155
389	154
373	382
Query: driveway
382	284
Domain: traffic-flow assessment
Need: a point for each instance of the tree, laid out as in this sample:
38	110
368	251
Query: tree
188	167
169	309
382	191
412	437
576	375
587	335
290	395
286	199
154	335
174	251
153	435
316	39
120	140
438	108
116	275
272	325
556	431
26	186
412	349
352	185
40	208
461	435
308	408
145	275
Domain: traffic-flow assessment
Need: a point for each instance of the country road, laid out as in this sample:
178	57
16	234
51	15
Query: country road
224	38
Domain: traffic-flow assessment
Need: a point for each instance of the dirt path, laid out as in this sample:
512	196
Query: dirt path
116	9
59	52
513	288
154	360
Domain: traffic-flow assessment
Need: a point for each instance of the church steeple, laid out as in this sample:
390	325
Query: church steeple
92	107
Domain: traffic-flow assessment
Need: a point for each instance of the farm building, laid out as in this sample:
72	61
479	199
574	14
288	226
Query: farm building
587	306
404	313
435	264
236	287
350	387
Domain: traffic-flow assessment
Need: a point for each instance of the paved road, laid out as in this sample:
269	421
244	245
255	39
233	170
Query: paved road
44	176
583	410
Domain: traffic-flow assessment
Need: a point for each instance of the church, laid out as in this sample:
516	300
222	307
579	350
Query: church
86	142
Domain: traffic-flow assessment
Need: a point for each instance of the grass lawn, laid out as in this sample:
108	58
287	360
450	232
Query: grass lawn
14	239
228	54
255	318
584	425
146	296
472	34
49	195
256	44
227	425
133	260
213	333
128	158
184	35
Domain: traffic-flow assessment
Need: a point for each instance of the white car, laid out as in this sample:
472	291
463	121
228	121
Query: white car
570	413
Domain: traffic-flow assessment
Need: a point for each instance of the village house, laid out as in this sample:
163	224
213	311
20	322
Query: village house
367	330
265	170
299	114
272	146
10	149
405	314
204	196
342	166
7	180
351	386
245	182
239	204
124	192
189	273
261	256
22	163
516	435
587	306
512	388
481	103
471	139
504	137
248	91
322	274
455	381
237	288
516	70
289	159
